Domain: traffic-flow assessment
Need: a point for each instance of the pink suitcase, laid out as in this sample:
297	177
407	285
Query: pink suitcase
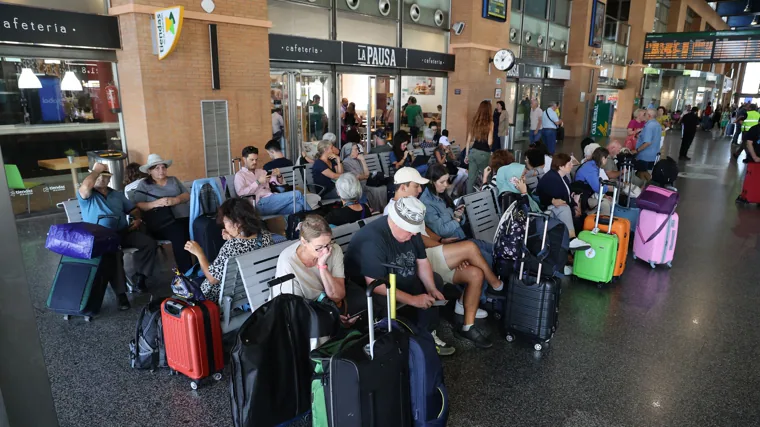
655	239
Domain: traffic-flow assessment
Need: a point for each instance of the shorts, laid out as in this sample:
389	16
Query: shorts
438	262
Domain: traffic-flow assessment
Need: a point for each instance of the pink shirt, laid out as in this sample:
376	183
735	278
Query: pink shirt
635	124
247	184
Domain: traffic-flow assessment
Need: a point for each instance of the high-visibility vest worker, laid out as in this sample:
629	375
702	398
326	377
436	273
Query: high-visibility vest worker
753	118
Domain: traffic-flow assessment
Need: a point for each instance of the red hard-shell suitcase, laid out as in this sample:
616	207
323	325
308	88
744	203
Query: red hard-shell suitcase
751	187
193	338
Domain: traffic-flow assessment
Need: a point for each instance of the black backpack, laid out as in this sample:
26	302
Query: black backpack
147	350
665	172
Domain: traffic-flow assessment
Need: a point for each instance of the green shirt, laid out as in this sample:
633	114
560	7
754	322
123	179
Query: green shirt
412	111
317	112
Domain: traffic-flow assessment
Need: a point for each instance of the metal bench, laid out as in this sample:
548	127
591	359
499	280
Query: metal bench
343	234
418	152
482	215
373	163
232	298
315	188
366	221
385	161
230	184
429	151
456	150
256	269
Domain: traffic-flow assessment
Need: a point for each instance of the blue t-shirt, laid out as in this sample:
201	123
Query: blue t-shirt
114	204
652	132
319	178
552	115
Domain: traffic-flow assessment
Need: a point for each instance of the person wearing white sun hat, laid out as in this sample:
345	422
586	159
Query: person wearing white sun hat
159	191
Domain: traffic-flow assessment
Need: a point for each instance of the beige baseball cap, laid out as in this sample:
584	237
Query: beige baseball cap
408	174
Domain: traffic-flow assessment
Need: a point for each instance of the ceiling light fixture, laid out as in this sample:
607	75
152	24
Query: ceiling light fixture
70	82
748	8
27	80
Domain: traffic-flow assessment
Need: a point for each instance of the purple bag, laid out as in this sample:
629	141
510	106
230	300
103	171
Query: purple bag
82	240
658	199
187	288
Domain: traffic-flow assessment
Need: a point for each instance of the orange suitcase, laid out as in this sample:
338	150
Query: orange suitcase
621	227
193	338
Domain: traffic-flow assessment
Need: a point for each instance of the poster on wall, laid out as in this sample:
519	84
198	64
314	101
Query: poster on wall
421	85
495	10
597	24
168	24
600	122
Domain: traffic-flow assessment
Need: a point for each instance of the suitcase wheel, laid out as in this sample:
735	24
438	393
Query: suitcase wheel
651	264
670	265
635	257
537	346
194	385
88	318
218	376
172	372
65	317
510	338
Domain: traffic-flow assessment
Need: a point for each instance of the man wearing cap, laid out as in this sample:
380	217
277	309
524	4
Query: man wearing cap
102	205
381	144
458	262
252	182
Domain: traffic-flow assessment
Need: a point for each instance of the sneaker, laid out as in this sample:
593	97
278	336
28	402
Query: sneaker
445	351
438	342
578	245
494	294
123	302
741	200
459	309
476	336
568	270
138	283
684	158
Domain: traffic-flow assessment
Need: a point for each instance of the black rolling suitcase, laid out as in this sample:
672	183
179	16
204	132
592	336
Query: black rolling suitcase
79	286
367	382
532	305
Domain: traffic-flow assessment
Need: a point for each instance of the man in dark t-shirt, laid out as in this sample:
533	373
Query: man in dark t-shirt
395	239
751	140
278	158
690	122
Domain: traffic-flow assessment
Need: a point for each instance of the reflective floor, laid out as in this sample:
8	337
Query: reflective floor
659	348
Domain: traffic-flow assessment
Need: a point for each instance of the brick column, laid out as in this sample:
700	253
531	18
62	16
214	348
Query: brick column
161	99
473	48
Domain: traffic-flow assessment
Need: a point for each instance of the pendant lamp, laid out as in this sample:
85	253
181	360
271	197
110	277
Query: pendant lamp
27	80
70	82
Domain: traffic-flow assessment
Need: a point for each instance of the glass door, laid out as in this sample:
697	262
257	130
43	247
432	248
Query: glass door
381	106
528	92
303	99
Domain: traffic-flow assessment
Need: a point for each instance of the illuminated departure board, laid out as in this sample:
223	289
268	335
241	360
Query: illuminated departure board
716	46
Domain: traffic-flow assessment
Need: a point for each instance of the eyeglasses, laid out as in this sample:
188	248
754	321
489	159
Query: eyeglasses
323	247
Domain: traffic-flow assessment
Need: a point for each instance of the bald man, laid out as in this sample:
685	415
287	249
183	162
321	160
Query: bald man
610	167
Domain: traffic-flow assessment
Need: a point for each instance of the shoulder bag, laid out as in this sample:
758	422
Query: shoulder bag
159	218
560	129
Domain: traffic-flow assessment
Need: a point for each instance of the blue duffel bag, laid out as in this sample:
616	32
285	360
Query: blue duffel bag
82	240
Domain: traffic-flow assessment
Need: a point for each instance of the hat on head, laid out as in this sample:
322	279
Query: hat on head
408	213
153	160
589	150
408	174
444	140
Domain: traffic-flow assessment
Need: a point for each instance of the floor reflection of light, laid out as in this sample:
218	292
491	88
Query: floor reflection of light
695	321
656	404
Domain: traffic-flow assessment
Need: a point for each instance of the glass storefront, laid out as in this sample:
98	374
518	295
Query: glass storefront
52	112
674	89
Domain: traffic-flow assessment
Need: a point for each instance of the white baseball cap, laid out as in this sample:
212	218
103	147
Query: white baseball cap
408	213
444	140
408	174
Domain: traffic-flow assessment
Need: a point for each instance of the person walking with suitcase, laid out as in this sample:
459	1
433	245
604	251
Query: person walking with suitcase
102	204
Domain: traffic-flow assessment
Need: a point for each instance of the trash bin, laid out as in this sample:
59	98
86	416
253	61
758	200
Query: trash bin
115	160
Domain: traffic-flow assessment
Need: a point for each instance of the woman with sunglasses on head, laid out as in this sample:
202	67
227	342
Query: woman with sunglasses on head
243	233
156	192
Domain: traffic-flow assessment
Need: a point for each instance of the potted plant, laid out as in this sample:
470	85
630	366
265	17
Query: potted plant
71	155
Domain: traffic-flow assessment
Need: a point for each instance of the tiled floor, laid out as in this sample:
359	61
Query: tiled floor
659	348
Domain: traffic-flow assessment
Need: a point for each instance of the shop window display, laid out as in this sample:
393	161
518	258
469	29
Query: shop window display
49	120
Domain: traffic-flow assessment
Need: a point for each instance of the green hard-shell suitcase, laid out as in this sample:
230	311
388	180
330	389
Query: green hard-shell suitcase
597	264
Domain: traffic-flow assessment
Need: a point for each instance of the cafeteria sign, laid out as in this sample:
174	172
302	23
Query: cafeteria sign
168	27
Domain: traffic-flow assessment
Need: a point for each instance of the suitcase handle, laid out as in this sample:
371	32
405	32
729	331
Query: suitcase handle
370	309
174	308
525	242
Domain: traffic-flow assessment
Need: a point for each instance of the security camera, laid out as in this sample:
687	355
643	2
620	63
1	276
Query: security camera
458	28
631	62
